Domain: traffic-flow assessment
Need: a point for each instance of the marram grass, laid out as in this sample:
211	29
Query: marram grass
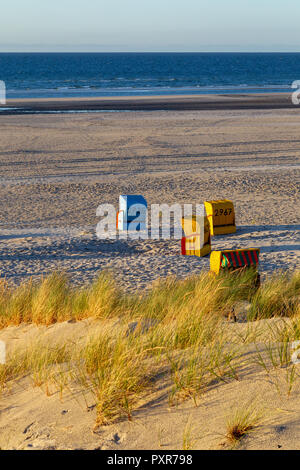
179	337
52	299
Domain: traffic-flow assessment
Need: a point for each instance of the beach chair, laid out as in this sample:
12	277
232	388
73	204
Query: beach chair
221	217
132	214
236	261
197	239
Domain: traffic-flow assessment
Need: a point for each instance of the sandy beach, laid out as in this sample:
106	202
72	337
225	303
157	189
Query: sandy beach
150	229
57	169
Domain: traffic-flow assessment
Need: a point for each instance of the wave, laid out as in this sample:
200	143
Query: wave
90	91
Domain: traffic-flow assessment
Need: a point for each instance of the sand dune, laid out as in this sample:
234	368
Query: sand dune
32	418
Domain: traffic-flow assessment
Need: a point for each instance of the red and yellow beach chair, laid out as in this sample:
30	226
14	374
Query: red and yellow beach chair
234	259
197	240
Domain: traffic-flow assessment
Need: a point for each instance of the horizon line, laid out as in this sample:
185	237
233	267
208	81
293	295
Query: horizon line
151	52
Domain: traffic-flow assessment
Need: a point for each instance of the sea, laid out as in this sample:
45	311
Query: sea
59	75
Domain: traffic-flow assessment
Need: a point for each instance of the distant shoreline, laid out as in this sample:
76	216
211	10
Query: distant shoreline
243	101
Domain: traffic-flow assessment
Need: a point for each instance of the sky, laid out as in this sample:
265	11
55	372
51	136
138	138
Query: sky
149	25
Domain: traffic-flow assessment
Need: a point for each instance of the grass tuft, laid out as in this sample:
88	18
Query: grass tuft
243	421
278	296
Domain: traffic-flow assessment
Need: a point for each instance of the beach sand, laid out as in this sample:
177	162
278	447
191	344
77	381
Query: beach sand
57	169
38	418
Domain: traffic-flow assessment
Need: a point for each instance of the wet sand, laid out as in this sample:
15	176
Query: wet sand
153	103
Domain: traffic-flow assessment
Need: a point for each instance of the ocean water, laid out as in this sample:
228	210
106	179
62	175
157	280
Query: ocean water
40	75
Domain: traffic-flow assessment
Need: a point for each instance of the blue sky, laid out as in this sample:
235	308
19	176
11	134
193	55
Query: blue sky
154	25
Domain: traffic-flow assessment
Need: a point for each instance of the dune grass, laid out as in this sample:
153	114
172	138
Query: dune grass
278	296
187	439
52	299
109	366
241	422
178	335
37	359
